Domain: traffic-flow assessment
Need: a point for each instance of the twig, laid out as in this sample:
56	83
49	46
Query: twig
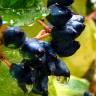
46	27
42	34
92	15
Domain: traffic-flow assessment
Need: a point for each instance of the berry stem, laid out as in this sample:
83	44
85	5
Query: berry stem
93	85
92	15
46	27
42	34
4	60
45	32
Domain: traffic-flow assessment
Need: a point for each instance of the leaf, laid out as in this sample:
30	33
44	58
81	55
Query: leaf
75	87
18	4
45	2
22	12
80	7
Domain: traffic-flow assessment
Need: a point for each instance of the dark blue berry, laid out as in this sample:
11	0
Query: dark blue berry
23	75
31	49
58	15
61	69
41	86
78	18
60	2
62	35
14	37
75	27
66	49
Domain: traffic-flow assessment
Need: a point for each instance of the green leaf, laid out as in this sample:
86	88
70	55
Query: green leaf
80	7
75	87
22	12
18	4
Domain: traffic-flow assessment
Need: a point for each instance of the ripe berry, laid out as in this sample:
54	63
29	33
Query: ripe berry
60	2
65	49
58	15
62	35
14	37
23	75
41	85
61	69
78	18
75	27
32	49
69	32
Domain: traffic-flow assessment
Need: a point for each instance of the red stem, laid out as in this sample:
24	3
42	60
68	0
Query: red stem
5	61
42	34
92	15
46	27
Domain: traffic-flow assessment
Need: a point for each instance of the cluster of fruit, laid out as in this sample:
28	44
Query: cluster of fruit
66	27
39	61
40	58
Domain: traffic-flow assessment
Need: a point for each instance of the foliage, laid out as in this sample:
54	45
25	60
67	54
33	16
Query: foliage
77	7
22	12
18	4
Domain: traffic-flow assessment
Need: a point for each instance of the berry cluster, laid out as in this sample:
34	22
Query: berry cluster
39	61
66	27
40	58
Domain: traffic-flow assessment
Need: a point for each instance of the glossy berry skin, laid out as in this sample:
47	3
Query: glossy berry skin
61	35
41	85
78	18
40	61
31	49
60	2
23	74
75	27
53	62
32	71
67	49
14	37
71	30
61	69
51	56
53	66
49	51
58	15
